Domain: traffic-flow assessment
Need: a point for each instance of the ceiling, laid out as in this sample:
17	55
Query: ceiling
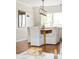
39	2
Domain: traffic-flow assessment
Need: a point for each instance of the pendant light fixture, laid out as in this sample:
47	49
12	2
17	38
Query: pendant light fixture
42	10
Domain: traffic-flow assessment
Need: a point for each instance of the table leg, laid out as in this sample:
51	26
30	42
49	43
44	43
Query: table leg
44	37
44	41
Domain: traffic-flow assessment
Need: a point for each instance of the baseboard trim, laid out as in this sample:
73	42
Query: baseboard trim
45	44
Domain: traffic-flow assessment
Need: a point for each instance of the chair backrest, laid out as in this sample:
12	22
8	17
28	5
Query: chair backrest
58	31
35	36
56	34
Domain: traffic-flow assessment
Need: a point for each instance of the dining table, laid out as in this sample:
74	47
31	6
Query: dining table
44	32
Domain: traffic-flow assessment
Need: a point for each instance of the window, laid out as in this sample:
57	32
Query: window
46	20
21	19
57	19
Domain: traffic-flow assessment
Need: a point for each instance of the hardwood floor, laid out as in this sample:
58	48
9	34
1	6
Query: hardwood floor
24	45
50	48
21	46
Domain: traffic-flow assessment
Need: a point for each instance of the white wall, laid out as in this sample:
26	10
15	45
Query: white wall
49	9
37	18
27	9
34	13
21	33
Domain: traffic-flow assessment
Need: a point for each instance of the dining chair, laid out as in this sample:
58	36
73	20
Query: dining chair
54	37
36	37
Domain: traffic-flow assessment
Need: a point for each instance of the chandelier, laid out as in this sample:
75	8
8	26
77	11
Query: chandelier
42	10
